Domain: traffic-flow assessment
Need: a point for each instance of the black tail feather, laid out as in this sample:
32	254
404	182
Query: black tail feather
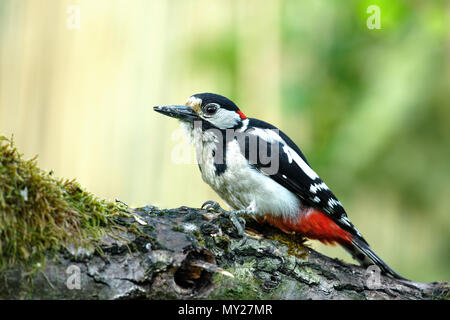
366	257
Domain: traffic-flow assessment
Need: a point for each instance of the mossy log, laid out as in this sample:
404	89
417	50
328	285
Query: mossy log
188	253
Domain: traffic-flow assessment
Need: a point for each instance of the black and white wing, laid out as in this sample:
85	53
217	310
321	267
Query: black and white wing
292	170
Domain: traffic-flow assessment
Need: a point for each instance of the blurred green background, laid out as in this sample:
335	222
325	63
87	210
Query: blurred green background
369	107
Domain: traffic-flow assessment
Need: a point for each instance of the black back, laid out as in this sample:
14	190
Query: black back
295	179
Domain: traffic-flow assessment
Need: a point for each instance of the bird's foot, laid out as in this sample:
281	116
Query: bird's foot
213	205
233	215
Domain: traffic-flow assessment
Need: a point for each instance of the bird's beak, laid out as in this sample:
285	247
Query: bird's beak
178	112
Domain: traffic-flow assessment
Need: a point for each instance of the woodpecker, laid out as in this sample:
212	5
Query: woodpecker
260	172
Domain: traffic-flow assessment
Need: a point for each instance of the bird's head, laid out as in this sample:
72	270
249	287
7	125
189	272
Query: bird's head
212	109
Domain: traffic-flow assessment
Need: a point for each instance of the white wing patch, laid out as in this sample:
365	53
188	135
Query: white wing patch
318	186
292	155
333	202
271	135
268	135
346	221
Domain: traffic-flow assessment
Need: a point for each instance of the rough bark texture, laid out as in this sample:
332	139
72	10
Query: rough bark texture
187	253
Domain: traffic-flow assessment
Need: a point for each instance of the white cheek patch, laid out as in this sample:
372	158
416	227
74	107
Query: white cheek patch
224	119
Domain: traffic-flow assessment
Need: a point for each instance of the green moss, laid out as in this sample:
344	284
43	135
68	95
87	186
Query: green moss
39	213
223	242
178	228
197	234
295	244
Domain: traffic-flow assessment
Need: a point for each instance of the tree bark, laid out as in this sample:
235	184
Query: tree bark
189	253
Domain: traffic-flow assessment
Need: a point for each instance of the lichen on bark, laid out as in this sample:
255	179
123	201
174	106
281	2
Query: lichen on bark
81	247
188	253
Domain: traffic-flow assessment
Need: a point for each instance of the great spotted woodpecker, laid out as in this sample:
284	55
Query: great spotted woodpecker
259	171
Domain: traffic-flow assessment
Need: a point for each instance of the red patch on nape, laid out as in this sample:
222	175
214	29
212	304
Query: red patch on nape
312	224
243	117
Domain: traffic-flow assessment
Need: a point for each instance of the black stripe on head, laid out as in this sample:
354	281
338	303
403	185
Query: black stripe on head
216	98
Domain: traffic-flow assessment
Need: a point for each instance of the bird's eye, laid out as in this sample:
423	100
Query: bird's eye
211	108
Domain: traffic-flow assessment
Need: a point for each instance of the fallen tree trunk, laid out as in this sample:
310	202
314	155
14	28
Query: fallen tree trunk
188	253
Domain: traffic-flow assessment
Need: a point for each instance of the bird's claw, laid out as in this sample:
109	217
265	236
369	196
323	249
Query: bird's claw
210	205
213	205
234	216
